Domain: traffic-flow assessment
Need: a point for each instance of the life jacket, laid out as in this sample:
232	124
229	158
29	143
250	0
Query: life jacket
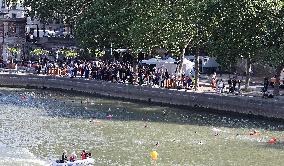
83	155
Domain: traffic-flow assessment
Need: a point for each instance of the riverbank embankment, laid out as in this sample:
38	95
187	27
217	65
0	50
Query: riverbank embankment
238	104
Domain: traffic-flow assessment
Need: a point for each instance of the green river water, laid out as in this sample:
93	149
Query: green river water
37	125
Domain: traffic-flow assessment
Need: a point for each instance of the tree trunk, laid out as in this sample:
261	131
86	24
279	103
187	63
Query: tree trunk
12	61
276	91
71	30
196	77
248	66
179	72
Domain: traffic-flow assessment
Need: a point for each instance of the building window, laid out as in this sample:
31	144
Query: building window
11	29
14	15
3	4
32	30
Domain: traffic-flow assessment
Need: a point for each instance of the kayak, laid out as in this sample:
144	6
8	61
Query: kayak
88	162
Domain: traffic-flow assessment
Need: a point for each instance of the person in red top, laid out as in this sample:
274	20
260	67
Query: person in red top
84	155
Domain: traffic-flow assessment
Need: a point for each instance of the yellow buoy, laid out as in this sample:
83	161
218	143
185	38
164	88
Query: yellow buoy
154	155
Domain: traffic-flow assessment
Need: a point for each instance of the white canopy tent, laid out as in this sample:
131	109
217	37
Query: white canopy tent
168	64
120	50
169	60
187	67
211	63
152	61
171	67
190	58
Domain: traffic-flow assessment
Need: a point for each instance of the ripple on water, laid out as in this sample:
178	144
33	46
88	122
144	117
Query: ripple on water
44	123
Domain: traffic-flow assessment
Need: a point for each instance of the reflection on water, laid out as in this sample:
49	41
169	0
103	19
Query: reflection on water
37	125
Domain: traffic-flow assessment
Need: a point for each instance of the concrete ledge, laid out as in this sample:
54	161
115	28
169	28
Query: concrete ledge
245	105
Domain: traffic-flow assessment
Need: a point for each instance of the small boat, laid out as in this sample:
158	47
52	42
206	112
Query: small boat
88	162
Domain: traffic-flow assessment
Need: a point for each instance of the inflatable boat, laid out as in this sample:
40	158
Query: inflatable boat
88	162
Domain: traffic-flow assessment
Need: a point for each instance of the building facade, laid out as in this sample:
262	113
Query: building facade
12	38
15	27
34	26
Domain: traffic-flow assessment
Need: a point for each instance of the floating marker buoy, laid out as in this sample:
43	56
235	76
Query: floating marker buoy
154	155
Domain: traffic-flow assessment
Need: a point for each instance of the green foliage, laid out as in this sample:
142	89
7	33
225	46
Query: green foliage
171	24
13	50
242	28
39	52
68	53
99	53
228	29
63	10
106	22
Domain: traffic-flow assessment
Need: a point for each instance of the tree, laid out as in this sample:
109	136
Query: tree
274	56
273	53
173	25
38	52
13	51
66	11
240	30
68	53
105	22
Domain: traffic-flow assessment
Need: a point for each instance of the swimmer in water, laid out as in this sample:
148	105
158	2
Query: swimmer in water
255	132
273	140
109	117
157	144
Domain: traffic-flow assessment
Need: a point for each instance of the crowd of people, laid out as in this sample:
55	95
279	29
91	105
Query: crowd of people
117	72
234	84
138	74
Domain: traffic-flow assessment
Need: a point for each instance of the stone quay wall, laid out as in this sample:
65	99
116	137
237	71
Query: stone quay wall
273	108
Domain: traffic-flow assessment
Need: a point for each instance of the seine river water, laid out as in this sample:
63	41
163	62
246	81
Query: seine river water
36	126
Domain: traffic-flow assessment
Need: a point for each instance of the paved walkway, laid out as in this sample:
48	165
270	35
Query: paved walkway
205	86
256	85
